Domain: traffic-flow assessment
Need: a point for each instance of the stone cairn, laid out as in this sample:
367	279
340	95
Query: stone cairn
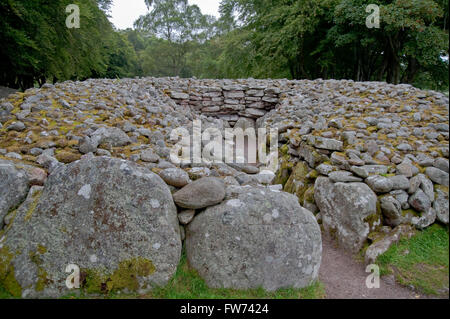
86	179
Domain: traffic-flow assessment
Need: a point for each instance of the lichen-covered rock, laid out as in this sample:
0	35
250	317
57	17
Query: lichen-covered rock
298	182
379	184
437	176
14	186
392	210
175	177
440	205
111	136
349	211
256	238
113	219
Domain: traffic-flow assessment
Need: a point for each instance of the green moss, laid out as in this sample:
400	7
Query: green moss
124	277
298	182
441	188
7	276
33	205
41	249
309	195
375	220
284	172
411	212
42	280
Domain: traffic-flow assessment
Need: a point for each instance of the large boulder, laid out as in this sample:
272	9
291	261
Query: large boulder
349	211
256	238
113	219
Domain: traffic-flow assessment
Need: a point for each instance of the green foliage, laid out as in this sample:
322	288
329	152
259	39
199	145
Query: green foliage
38	47
421	261
330	39
296	39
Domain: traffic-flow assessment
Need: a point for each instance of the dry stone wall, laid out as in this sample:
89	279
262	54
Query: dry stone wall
224	99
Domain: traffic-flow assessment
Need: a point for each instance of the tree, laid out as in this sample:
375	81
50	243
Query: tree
180	24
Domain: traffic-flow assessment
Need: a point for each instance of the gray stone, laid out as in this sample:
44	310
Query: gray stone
112	218
399	182
186	216
392	210
379	184
402	197
382	245
175	177
324	143
407	169
404	147
265	177
427	218
245	123
199	172
204	192
258	238
376	169
437	176
14	186
360	171
111	136
349	210
440	206
325	169
16	126
149	156
343	176
179	95
441	163
420	201
88	145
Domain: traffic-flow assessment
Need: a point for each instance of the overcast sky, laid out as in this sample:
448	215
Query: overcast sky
125	12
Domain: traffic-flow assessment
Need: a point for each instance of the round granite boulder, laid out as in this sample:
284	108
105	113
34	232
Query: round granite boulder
113	219
256	238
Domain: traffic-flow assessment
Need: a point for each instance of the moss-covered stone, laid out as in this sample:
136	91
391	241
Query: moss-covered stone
298	182
32	205
67	157
125	277
7	276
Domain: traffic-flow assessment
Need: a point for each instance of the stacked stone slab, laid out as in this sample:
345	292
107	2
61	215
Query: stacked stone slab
223	99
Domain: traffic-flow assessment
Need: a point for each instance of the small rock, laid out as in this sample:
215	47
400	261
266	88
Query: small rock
379	184
420	201
204	192
16	126
343	176
175	177
437	176
186	216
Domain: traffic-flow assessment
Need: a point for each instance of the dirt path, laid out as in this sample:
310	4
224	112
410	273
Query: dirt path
345	278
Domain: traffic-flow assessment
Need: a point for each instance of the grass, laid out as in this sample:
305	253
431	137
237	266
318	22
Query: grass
187	284
421	261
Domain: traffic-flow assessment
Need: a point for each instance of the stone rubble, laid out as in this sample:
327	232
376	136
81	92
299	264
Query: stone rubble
369	160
